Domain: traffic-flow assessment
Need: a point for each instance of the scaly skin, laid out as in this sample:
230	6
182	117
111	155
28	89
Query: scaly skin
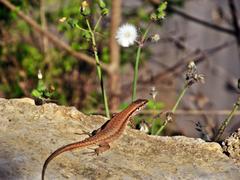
106	134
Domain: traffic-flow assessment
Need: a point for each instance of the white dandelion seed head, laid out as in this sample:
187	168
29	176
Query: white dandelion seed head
126	35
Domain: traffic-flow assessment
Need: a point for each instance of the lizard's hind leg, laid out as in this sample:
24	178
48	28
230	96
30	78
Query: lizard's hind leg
102	148
96	151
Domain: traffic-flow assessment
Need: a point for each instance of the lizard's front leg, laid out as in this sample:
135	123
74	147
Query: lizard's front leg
89	133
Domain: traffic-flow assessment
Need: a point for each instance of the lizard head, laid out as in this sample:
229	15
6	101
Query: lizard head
133	108
140	103
137	105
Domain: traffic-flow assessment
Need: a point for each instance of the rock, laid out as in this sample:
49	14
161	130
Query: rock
29	133
231	146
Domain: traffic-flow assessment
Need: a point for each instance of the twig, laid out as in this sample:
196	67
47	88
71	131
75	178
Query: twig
44	25
178	68
234	20
235	24
202	22
196	20
114	76
99	70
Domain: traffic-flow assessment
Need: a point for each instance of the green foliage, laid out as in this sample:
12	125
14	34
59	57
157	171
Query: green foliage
8	16
84	9
73	22
105	55
22	51
30	58
141	14
101	4
156	125
103	7
153	105
86	35
42	91
160	12
23	27
68	63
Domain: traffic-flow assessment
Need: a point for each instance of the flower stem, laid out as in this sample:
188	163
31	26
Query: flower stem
173	109
98	21
227	121
137	63
99	70
82	29
162	127
179	98
136	73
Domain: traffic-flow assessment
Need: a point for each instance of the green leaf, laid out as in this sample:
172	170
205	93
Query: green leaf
41	86
47	94
87	35
101	4
72	22
162	7
161	10
105	55
36	93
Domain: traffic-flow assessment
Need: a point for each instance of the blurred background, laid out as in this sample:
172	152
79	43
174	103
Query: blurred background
42	35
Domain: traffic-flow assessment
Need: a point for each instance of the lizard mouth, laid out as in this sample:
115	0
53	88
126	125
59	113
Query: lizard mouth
142	106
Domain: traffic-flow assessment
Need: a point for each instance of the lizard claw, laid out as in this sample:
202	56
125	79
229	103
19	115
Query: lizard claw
84	133
92	153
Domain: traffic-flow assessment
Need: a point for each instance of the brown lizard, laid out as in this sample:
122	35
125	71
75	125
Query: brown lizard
107	133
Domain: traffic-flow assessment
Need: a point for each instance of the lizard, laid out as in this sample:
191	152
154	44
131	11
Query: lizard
107	133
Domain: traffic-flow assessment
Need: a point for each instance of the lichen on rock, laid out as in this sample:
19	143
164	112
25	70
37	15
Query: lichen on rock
231	146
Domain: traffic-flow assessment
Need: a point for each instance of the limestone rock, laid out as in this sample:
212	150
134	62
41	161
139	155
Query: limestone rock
29	133
231	145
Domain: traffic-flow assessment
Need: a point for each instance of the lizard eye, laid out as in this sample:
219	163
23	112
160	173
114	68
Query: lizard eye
138	109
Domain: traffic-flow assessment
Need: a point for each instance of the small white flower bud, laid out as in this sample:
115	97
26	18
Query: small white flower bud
40	76
63	19
155	38
191	65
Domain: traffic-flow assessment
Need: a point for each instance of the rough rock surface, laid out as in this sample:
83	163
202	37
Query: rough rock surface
231	145
29	133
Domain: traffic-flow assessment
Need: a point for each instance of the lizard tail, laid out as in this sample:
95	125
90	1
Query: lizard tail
65	148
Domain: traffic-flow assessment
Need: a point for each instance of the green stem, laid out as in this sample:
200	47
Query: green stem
179	98
162	127
82	29
137	63
99	70
173	109
227	121
98	21
136	73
